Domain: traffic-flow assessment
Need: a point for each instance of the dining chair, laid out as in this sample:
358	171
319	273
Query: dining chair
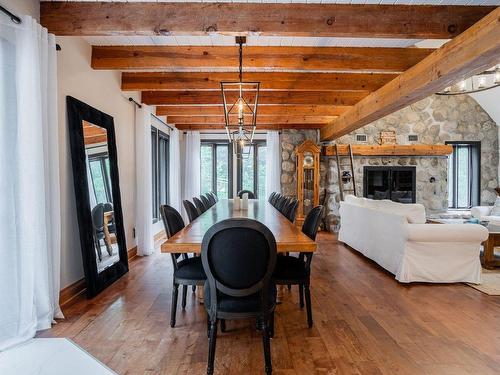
282	203
191	210
108	207
97	215
251	195
210	198
270	199
214	194
199	205
292	270
205	201
239	256
291	209
275	199
187	271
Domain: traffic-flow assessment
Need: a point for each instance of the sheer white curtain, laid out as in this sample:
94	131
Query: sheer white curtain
175	170
143	175
29	182
273	164
192	166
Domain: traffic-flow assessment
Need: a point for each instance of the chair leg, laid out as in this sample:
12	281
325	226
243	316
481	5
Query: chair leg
173	308
194	288
208	326
308	306
301	296
184	295
289	287
267	348
271	325
223	325
211	347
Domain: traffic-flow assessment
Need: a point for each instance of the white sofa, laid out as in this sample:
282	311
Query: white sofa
483	213
396	237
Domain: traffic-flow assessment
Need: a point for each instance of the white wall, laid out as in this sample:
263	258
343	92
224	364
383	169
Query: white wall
100	89
22	7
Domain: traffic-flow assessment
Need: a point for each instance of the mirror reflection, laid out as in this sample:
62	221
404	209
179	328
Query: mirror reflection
101	195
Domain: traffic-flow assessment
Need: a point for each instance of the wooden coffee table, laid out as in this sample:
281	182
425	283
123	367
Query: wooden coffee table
488	257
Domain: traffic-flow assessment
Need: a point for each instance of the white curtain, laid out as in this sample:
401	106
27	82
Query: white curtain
144	195
29	182
191	166
175	170
273	164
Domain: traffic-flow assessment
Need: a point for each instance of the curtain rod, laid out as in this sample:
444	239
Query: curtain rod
163	122
12	16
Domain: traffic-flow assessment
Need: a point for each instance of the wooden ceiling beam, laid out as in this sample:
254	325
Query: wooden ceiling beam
260	119
470	53
264	110
259	126
344	98
184	81
370	59
328	20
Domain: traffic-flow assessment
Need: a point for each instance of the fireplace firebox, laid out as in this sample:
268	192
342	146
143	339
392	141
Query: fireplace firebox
394	183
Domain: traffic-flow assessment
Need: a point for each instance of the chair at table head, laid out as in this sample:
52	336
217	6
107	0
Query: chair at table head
251	195
239	256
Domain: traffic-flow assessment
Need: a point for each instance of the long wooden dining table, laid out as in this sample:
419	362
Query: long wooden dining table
289	237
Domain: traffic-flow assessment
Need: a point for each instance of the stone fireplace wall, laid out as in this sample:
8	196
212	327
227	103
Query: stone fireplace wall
435	120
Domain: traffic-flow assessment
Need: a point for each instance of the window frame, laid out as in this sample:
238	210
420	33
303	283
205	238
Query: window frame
474	171
101	158
213	145
156	137
239	165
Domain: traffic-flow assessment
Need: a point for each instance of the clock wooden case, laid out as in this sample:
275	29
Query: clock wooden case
308	154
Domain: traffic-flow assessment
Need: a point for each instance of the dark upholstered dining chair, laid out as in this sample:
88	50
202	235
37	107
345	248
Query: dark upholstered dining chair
282	203
239	256
291	209
205	201
215	196
211	199
251	195
271	196
199	205
188	271
274	201
191	210
291	270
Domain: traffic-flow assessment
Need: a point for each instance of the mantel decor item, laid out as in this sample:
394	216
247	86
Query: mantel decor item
307	178
240	100
387	137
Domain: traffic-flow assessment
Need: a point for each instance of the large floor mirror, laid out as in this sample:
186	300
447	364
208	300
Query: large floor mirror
97	189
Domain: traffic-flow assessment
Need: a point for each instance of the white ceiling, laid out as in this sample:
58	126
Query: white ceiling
410	2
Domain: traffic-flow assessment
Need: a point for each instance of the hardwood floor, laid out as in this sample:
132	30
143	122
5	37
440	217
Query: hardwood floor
364	323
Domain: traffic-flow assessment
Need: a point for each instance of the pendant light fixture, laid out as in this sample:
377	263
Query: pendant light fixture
240	100
486	80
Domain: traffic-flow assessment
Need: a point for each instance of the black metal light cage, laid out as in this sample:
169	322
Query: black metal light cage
238	130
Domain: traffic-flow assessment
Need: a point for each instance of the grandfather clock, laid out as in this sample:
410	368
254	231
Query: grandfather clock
307	178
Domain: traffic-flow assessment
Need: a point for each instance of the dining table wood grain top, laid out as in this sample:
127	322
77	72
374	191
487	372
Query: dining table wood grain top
289	237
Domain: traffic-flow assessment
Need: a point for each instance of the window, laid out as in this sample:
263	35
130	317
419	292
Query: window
216	167
252	170
99	171
160	170
464	174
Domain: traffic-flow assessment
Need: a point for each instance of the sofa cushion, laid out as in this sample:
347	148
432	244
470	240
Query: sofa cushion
413	212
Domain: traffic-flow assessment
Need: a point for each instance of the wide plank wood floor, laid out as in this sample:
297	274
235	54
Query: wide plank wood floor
365	323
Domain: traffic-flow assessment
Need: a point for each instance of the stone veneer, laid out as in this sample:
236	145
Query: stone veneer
435	120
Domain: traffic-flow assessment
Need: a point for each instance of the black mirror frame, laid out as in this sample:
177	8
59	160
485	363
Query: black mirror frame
78	112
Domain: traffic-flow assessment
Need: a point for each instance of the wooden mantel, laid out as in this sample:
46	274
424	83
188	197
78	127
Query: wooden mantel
391	150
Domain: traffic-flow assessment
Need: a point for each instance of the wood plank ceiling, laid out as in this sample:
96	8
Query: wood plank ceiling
301	86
